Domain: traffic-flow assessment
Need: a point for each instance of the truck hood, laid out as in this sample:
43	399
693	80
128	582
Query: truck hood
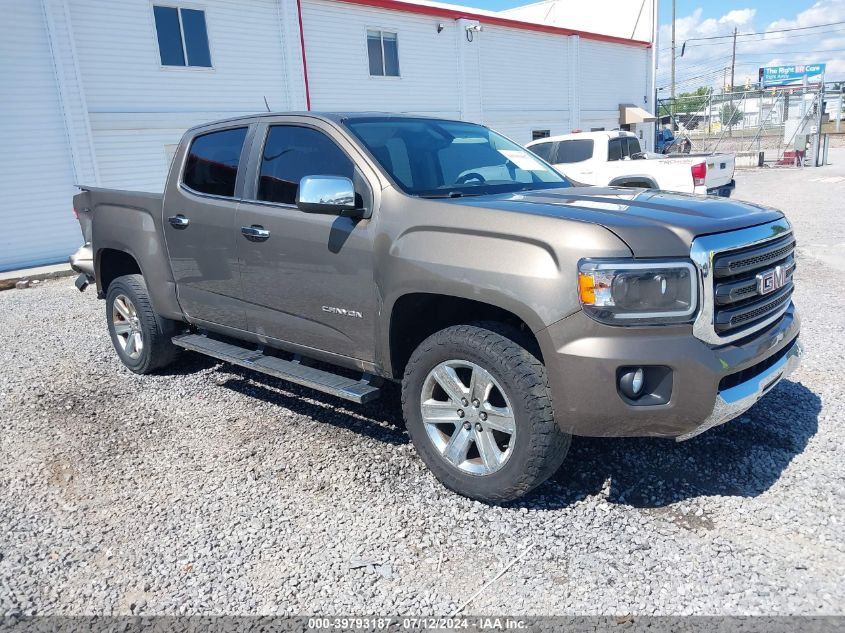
652	223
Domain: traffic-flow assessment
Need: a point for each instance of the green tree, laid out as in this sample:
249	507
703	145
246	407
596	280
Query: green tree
730	115
694	101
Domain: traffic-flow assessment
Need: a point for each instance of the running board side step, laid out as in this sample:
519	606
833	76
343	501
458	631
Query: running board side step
360	391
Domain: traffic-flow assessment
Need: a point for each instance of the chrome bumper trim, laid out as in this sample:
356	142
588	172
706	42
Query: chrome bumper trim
82	261
734	401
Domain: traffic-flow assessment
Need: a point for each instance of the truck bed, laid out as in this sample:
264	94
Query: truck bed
111	204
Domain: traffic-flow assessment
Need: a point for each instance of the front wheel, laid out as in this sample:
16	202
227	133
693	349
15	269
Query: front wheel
141	338
479	412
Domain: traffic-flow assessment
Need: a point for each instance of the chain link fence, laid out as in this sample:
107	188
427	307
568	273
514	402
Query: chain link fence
770	126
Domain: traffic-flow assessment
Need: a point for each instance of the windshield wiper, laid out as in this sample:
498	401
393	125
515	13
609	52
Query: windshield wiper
450	194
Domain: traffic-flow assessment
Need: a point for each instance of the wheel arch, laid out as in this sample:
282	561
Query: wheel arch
415	316
634	180
111	263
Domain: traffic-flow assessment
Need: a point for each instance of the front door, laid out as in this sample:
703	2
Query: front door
306	278
199	228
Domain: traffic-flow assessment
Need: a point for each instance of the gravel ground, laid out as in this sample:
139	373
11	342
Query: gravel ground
215	490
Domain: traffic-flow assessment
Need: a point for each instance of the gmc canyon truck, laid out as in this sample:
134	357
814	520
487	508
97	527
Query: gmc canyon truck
339	251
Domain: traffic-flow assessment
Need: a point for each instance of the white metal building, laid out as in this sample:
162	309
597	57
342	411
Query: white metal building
100	91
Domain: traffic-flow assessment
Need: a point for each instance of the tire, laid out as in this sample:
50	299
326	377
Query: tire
130	315
521	460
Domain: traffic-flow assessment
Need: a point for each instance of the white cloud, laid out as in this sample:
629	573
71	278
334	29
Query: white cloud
704	61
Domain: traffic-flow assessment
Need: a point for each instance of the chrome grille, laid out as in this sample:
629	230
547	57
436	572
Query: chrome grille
738	302
732	306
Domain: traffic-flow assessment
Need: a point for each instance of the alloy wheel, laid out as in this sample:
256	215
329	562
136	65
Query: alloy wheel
468	417
127	326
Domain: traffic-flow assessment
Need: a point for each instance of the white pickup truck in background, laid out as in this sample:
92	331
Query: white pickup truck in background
615	158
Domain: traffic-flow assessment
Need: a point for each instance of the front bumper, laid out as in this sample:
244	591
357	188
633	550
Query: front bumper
736	400
583	359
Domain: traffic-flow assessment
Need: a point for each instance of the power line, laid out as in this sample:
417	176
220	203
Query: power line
756	33
820	51
711	74
762	39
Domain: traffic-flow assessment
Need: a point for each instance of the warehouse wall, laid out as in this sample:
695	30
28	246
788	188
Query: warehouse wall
37	163
525	91
90	102
338	67
137	106
610	74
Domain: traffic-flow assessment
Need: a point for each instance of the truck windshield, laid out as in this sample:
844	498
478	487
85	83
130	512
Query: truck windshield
435	158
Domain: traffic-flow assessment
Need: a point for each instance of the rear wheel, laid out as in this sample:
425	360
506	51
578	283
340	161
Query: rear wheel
479	412
141	338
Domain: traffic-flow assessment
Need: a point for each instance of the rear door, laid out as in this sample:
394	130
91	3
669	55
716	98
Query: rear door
199	225
309	279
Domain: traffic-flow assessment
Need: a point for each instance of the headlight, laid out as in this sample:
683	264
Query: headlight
632	293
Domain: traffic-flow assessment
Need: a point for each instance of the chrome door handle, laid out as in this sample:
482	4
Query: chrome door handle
255	233
178	221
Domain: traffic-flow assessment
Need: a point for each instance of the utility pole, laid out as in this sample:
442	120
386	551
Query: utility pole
733	68
733	61
672	110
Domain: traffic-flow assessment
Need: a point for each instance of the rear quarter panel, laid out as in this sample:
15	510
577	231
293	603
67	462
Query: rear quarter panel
130	222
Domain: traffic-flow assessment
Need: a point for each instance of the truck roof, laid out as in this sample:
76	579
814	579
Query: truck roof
335	117
601	134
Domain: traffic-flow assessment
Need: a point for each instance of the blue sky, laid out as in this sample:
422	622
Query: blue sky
704	63
766	10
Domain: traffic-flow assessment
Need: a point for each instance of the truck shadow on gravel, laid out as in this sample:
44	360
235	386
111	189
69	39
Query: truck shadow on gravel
744	457
380	420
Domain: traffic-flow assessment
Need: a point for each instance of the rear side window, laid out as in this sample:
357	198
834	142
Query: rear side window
573	151
543	150
291	153
614	149
212	165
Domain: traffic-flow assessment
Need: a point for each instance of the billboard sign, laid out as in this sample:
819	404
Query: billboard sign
791	75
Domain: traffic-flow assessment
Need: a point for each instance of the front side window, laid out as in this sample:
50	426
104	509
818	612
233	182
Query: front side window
292	152
573	151
182	37
439	159
212	164
383	53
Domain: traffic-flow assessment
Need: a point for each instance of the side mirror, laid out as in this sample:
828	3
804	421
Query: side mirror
331	195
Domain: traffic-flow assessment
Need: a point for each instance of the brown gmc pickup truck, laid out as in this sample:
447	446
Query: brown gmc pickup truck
338	251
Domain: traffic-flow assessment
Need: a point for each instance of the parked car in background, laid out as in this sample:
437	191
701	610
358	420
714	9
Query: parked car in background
615	158
514	309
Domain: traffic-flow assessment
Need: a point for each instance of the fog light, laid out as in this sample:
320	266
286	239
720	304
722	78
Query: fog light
631	383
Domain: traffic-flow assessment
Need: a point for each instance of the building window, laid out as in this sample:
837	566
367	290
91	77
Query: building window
538	134
213	160
182	37
383	51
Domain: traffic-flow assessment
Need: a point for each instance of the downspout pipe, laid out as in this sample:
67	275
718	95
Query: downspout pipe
304	57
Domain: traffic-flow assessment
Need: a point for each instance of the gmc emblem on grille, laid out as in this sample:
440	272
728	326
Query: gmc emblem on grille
771	280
